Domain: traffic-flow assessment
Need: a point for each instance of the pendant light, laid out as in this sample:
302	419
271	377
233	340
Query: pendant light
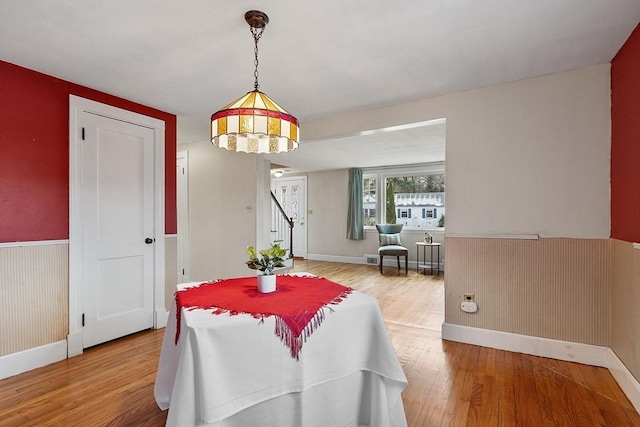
254	123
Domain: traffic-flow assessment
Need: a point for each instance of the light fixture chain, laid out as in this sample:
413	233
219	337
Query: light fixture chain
257	33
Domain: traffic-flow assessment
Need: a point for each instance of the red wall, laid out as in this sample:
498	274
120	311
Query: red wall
625	141
34	153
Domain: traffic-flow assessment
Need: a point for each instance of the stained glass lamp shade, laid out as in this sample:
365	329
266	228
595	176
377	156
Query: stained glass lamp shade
254	123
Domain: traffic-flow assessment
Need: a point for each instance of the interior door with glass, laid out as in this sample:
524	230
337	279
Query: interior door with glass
292	195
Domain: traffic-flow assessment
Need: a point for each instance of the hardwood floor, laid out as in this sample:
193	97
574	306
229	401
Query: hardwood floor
449	383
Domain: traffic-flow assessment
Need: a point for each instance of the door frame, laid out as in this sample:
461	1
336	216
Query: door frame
303	178
183	223
78	106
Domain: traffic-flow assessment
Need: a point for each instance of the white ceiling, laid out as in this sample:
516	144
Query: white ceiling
412	144
317	57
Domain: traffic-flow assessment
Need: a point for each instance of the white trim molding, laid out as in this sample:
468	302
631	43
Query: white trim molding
492	236
75	344
388	261
536	346
161	318
625	379
26	360
336	258
34	243
556	349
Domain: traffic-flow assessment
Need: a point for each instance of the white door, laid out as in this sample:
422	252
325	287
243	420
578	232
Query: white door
117	170
292	195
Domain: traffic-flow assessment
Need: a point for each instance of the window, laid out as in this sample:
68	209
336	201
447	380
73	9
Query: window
369	216
369	184
369	203
413	196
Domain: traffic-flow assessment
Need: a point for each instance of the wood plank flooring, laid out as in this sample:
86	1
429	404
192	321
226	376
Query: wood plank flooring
450	384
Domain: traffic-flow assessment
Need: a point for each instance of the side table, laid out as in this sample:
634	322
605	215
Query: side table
432	265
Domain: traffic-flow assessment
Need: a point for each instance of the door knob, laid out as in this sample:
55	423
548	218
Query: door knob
149	240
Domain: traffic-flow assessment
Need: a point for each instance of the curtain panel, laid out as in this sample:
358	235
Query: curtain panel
355	216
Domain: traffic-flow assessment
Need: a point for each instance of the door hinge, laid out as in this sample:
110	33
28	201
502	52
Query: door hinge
83	319
83	134
183	271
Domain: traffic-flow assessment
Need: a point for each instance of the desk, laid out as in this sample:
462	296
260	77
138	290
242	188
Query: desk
431	266
231	370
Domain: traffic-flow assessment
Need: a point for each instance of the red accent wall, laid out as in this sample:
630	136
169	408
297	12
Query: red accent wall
625	141
34	153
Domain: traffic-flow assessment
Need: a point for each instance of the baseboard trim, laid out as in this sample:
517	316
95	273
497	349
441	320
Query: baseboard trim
336	258
162	317
625	379
26	360
556	349
75	344
388	261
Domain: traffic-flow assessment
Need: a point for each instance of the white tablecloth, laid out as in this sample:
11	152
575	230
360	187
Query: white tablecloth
234	371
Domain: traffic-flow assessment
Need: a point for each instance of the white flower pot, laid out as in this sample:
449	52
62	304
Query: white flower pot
266	283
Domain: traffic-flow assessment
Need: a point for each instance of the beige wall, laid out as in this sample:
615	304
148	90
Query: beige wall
222	211
625	304
327	226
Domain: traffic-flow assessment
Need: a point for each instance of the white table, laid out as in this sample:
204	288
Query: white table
434	262
233	371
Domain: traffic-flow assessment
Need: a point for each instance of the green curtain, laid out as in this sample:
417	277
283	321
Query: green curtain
355	214
391	217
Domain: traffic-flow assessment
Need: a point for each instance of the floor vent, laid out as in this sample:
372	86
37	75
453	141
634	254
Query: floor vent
371	259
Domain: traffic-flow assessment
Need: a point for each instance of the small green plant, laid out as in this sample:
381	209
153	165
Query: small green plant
267	259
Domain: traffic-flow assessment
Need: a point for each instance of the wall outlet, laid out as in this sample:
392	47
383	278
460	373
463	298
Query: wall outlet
469	297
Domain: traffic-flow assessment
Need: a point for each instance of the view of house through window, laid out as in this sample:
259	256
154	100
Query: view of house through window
415	199
369	202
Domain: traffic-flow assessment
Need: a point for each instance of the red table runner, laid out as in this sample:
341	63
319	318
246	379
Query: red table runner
298	303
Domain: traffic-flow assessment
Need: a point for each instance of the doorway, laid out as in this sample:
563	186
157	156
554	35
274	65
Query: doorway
292	195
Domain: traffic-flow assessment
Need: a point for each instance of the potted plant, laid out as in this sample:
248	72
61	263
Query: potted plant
265	261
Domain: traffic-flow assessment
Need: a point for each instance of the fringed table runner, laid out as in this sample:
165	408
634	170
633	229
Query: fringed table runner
298	303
